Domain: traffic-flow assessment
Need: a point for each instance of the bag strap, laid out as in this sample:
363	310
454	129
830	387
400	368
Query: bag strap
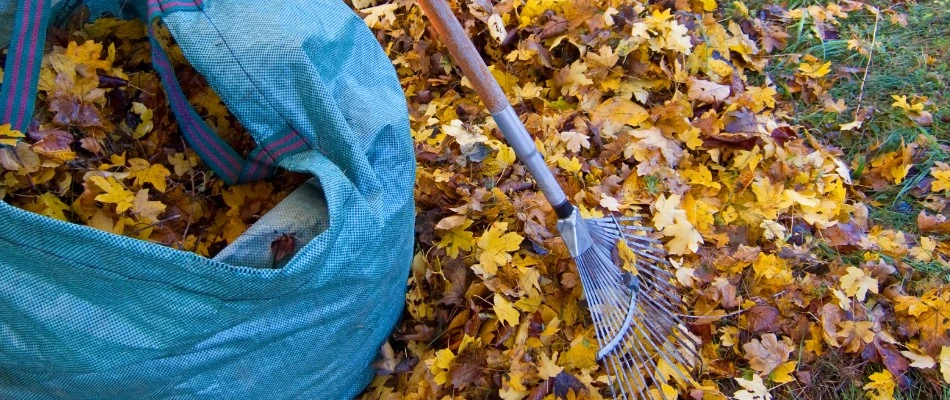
21	74
22	69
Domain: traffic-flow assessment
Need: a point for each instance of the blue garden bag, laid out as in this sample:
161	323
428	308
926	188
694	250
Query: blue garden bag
85	314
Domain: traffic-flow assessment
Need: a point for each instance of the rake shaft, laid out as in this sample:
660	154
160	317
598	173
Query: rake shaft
643	341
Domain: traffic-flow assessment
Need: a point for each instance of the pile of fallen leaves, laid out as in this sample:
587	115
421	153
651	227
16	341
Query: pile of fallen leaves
662	109
104	149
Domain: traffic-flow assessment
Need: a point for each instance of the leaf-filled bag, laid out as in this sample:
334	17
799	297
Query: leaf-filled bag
87	314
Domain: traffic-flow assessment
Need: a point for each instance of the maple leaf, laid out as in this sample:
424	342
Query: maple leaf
685	238
457	238
856	284
183	162
882	384
609	202
752	389
783	373
440	365
666	211
575	140
49	205
620	111
940	171
146	210
496	245
706	91
854	333
814	69
379	13
505	311
89	54
142	172
114	192
678	39
765	355
144	127
9	136
547	367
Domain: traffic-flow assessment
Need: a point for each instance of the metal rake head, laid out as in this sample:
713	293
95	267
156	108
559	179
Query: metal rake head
643	339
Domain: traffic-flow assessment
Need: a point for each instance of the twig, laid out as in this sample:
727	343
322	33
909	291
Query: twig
156	223
877	17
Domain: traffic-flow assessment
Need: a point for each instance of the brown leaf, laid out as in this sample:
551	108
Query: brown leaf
766	354
282	247
843	235
565	382
468	368
933	223
830	317
706	91
762	319
783	134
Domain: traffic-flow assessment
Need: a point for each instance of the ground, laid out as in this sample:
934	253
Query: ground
791	156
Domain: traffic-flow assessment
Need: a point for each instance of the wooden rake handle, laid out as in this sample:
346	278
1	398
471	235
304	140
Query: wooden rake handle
464	54
466	57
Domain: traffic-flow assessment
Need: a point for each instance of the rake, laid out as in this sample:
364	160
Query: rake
643	340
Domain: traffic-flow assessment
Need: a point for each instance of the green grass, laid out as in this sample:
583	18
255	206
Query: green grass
906	60
911	60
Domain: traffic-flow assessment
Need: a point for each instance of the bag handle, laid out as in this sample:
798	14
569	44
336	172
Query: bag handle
21	74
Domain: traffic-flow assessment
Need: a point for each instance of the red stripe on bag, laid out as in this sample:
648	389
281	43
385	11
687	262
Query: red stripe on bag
18	61
34	35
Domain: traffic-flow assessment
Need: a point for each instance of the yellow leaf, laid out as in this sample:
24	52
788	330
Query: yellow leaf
457	238
379	13
686	239
571	165
762	97
505	311
142	172
9	136
882	386
89	53
901	102
49	205
147	211
183	162
628	257
547	367
857	284
619	111
582	353
814	69
440	365
496	245
146	125
854	333
945	363
941	173
783	373
678	39
115	192
667	210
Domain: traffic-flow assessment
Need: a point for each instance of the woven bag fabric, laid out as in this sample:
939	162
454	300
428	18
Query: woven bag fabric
85	314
